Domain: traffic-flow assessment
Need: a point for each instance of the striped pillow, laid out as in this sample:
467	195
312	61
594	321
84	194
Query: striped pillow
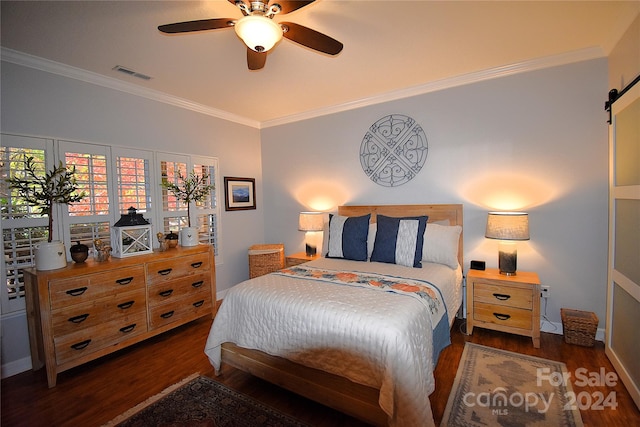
348	237
400	240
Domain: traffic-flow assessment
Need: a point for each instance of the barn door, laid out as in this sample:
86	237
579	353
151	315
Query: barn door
622	345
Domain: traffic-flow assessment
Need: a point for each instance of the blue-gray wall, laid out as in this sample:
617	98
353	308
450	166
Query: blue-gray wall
535	141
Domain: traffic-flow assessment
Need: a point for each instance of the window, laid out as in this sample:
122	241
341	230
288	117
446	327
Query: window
90	218
174	212
207	212
23	226
91	176
133	183
114	179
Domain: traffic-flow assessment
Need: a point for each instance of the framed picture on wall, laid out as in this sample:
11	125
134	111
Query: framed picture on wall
239	193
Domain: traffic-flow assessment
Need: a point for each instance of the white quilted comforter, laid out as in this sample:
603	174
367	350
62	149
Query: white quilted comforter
379	339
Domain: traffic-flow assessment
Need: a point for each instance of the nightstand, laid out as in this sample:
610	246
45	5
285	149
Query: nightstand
299	258
504	303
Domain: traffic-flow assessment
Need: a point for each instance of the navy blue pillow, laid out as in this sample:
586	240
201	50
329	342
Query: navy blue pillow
348	237
400	240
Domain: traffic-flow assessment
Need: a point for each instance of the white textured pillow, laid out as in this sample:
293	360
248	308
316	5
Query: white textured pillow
441	244
371	238
325	239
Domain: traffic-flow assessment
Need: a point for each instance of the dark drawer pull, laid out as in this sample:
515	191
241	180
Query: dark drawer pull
196	264
81	345
79	319
165	271
197	284
500	316
77	292
167	315
502	297
165	293
126	305
127	329
124	281
199	303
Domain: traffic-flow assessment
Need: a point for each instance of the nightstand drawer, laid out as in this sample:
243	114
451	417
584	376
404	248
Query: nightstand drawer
299	258
503	295
292	262
502	315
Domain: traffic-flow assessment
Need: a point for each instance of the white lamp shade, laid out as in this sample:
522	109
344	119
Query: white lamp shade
507	226
259	33
311	221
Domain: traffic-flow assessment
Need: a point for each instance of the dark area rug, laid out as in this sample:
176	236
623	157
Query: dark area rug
201	401
501	388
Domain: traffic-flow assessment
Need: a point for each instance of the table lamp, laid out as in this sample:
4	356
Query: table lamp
310	223
508	228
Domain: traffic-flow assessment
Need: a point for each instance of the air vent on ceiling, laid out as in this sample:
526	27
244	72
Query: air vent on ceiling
130	72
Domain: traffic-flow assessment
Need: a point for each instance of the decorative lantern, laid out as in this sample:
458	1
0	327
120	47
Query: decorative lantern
132	235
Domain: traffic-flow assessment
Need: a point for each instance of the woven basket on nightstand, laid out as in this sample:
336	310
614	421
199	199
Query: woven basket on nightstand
265	259
579	326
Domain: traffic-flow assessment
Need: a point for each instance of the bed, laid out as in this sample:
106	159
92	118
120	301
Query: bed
361	336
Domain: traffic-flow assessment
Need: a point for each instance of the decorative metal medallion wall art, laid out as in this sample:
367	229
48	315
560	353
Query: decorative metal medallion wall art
393	150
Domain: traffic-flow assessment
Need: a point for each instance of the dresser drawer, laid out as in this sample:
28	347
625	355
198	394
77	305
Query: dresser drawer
77	317
90	340
161	293
502	315
187	308
167	270
76	290
503	295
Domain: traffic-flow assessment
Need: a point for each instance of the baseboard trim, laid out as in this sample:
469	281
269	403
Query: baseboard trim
16	367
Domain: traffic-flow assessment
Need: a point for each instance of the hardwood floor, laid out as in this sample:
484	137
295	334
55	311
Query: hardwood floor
95	393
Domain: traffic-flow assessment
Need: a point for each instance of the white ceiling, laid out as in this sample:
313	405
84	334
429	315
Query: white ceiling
390	46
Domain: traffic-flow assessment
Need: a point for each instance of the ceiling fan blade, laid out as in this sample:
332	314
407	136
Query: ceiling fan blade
256	60
311	38
200	25
289	6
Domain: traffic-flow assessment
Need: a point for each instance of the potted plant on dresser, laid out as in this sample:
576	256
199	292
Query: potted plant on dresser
43	191
193	188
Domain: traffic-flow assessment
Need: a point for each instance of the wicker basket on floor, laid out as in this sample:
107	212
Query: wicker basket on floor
579	327
264	259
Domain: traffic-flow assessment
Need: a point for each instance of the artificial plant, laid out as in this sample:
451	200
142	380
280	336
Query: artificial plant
58	185
194	188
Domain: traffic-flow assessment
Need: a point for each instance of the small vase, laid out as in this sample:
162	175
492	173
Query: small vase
189	236
79	252
50	255
171	239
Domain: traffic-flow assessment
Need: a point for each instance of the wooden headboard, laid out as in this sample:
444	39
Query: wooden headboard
451	213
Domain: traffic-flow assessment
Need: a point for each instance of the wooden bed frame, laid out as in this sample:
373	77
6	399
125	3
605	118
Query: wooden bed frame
328	389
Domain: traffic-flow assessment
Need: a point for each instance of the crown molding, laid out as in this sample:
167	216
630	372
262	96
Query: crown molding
64	70
49	66
447	83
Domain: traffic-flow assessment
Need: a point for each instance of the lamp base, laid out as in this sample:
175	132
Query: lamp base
508	273
310	250
507	258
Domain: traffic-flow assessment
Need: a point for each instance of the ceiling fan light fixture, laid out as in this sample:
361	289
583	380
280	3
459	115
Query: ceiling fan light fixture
258	32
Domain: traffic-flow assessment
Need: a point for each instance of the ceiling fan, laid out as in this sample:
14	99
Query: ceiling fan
258	30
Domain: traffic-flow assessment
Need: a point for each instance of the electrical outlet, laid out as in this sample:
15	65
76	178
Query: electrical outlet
545	291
